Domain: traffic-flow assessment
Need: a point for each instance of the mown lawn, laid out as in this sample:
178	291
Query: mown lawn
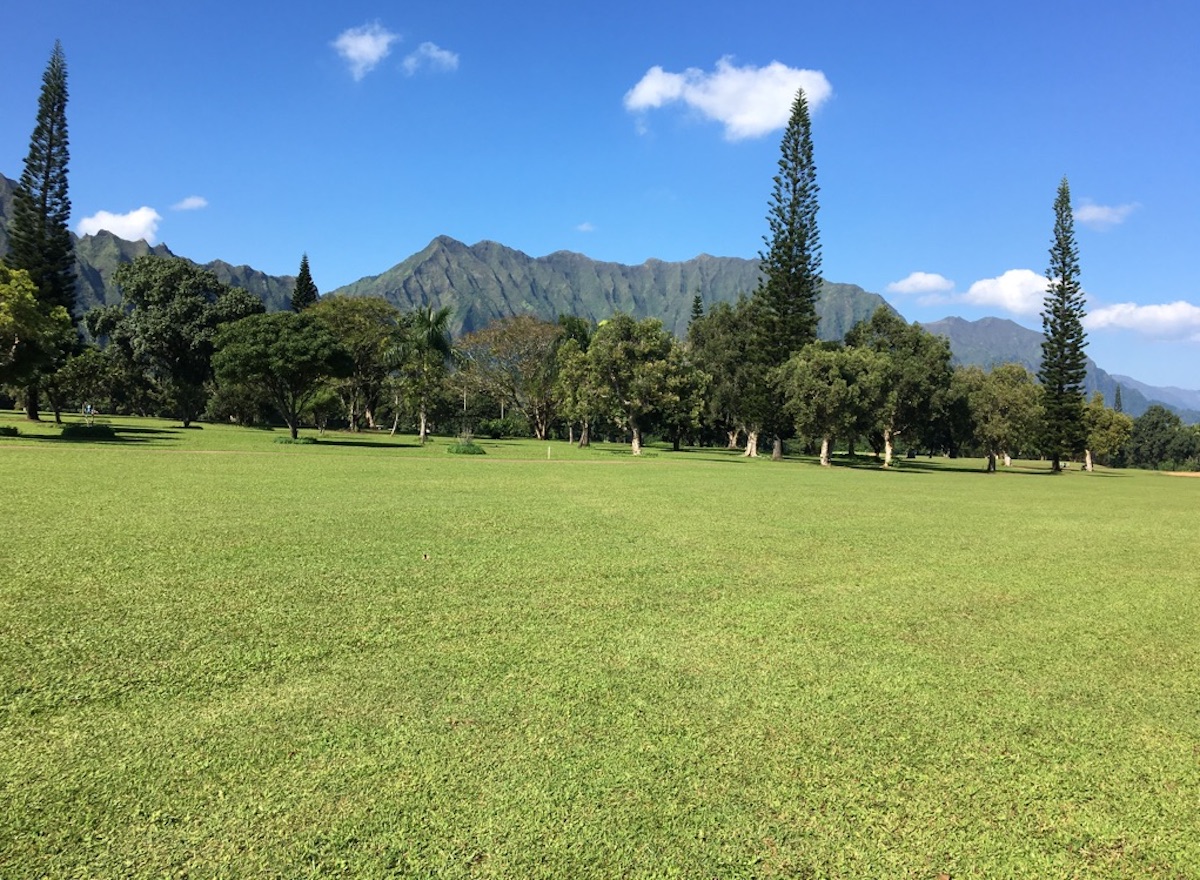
222	657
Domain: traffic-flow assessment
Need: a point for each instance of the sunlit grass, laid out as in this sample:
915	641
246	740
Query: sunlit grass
227	657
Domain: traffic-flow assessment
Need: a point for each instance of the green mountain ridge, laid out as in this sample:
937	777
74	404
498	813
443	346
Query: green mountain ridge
487	280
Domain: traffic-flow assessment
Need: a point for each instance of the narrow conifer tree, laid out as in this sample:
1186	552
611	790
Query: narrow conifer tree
791	264
38	231
306	293
785	303
1064	363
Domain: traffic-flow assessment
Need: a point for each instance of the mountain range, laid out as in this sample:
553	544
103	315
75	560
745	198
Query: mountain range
486	281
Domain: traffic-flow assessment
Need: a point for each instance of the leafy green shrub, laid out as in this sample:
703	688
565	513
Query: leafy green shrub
9	431
506	427
298	441
465	447
80	431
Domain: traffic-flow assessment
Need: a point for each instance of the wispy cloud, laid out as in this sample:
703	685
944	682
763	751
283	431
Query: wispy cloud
430	56
749	101
1177	320
585	227
1018	291
191	203
1102	217
362	48
921	283
134	226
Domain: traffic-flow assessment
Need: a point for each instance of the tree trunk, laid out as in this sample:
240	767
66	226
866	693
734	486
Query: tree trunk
636	445
31	402
571	433
585	434
825	451
294	427
733	438
777	449
887	447
991	462
1007	460
422	426
751	444
1087	460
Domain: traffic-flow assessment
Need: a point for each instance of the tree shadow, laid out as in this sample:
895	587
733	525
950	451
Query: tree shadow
366	444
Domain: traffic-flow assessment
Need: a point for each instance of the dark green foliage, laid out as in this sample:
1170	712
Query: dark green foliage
791	264
297	441
1064	363
917	369
284	355
39	237
174	311
1160	440
9	431
1118	406
305	293
369	328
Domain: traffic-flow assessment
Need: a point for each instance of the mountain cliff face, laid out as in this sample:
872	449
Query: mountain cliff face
487	280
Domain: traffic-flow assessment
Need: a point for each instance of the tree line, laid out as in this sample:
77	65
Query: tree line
183	344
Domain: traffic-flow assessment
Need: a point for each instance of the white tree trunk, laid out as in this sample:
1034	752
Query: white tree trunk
825	451
751	444
585	434
1007	460
733	438
887	447
1087	460
422	427
636	446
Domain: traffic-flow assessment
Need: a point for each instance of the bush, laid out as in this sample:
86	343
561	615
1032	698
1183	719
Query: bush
465	445
9	431
298	441
80	431
506	427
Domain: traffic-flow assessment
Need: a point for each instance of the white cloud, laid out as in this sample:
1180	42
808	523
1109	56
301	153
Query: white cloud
1177	320
432	56
364	47
749	101
191	203
134	226
922	282
1019	291
1103	217
585	227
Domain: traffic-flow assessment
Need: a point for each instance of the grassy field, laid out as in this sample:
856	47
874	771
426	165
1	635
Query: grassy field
223	657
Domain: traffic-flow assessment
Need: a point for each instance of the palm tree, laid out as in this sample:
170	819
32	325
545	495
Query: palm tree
421	353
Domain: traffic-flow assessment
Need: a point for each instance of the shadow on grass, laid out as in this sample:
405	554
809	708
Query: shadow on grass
366	444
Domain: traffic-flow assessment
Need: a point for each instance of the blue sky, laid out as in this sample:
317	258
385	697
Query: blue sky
358	131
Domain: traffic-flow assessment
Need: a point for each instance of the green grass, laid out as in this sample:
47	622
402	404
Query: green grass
224	657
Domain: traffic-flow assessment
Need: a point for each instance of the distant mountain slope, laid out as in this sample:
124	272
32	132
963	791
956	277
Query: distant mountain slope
1179	397
98	256
487	280
989	342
